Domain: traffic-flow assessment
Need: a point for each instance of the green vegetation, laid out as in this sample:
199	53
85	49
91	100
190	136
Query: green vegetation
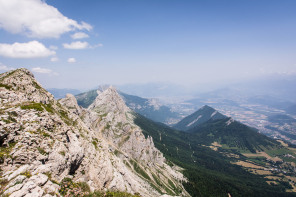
62	153
156	179
64	115
70	188
37	106
13	113
236	136
36	85
48	107
117	152
5	151
8	87
139	170
42	151
278	152
45	134
27	174
95	144
209	172
258	160
9	120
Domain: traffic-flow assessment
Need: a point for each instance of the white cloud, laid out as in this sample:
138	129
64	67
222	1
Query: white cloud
79	35
81	45
54	59
43	71
4	67
33	49
76	45
71	60
36	18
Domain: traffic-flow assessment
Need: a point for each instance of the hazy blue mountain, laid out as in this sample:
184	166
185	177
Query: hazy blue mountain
202	115
149	108
61	93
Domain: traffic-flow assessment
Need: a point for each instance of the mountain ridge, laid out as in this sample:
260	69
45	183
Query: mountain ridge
53	147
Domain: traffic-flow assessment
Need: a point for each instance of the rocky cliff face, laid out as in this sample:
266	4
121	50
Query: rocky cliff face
44	142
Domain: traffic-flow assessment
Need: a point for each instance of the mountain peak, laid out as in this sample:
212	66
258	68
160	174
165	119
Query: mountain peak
20	86
202	115
206	107
109	100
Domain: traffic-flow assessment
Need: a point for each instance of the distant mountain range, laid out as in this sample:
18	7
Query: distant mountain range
150	108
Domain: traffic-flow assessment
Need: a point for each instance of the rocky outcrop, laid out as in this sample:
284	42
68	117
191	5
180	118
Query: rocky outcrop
20	85
45	142
114	121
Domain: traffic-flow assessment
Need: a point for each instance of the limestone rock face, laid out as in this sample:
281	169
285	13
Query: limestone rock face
115	123
44	141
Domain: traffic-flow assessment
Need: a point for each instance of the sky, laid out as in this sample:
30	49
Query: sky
83	43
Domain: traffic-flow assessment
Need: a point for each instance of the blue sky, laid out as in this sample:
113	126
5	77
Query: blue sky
192	43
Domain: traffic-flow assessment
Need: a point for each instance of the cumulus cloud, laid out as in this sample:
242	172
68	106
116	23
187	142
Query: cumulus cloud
36	18
76	45
43	71
4	67
54	59
33	49
79	35
72	60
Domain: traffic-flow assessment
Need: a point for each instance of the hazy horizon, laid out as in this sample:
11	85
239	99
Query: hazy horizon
194	44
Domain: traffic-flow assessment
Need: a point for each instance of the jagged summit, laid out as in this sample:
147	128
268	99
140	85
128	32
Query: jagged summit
116	124
202	115
109	100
